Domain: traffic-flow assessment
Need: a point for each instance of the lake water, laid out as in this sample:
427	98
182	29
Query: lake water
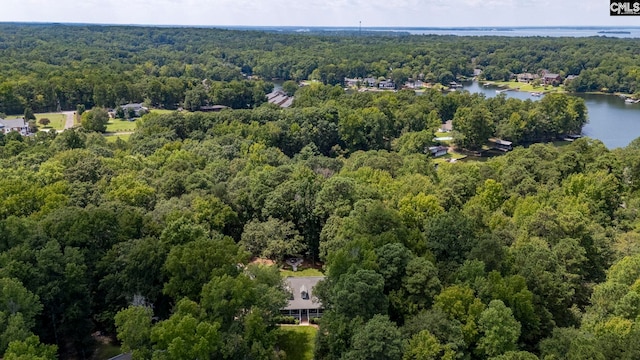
630	32
543	31
611	121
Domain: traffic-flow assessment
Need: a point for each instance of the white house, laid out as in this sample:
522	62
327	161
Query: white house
138	109
437	151
19	125
302	304
387	84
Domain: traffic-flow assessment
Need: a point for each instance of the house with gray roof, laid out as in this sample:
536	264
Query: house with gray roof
138	109
280	98
19	125
303	305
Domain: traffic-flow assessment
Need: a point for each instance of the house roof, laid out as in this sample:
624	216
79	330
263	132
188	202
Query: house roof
297	285
12	124
213	107
132	106
447	126
501	142
438	148
551	76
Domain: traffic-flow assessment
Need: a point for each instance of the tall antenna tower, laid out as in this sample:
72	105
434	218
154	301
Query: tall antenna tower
360	28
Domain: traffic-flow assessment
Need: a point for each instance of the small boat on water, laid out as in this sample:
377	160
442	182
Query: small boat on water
537	94
631	101
500	91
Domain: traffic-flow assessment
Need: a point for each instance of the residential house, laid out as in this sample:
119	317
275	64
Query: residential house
570	77
447	126
352	82
303	305
437	151
551	79
387	84
370	82
501	145
213	108
526	77
477	72
19	125
417	84
138	109
280	98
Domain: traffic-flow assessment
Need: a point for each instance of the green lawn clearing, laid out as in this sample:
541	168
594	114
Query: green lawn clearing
57	120
297	341
161	111
301	273
528	87
117	125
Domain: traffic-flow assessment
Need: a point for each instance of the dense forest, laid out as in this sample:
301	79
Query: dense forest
52	67
531	255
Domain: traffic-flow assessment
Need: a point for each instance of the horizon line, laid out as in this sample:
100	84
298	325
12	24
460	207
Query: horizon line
325	26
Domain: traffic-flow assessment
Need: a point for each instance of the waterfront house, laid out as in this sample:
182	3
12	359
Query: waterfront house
19	125
387	84
280	98
526	77
551	79
303	305
501	145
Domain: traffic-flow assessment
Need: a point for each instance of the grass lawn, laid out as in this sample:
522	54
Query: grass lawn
117	125
161	111
57	120
301	273
106	351
528	87
451	155
297	341
114	137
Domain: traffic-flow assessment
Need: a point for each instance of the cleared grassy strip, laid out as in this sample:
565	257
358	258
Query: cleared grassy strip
297	341
116	125
114	137
301	273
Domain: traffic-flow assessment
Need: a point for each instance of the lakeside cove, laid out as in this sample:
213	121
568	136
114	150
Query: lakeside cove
611	120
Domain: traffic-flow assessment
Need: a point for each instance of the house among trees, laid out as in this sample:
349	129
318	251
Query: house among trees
352	82
526	77
136	109
501	145
551	79
437	151
302	304
387	84
570	77
212	108
447	126
370	82
280	98
19	125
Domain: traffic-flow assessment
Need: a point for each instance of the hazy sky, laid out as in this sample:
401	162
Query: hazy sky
318	12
